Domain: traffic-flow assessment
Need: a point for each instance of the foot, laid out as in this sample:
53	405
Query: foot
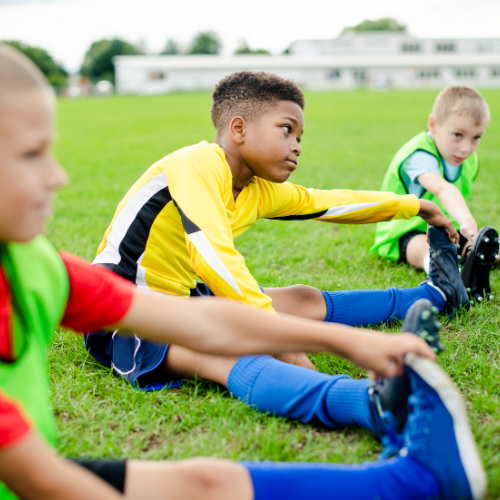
478	263
391	395
443	270
437	433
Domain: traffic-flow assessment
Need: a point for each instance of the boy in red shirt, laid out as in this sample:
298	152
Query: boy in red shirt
40	289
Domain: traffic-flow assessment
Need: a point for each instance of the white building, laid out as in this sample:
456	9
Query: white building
373	60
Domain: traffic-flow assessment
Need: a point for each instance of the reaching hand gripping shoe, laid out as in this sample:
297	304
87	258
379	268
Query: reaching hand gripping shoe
443	270
392	394
479	261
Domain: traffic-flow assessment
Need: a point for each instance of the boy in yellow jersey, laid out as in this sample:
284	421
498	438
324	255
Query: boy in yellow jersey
178	223
440	165
40	288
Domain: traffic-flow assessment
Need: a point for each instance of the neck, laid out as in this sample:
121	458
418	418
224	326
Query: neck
242	174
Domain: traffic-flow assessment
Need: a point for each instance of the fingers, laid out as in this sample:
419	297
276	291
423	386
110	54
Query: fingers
414	344
452	232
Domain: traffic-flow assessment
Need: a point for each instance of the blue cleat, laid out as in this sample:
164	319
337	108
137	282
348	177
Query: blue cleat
391	395
443	270
437	433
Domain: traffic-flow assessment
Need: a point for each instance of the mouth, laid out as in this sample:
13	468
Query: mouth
43	208
292	163
459	159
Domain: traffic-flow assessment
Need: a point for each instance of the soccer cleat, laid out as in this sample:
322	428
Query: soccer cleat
443	270
437	433
391	395
478	263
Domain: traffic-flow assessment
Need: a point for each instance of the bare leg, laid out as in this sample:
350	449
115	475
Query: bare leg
184	363
417	249
298	300
206	478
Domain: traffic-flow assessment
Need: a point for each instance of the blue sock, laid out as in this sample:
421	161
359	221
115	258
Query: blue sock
298	393
392	479
372	307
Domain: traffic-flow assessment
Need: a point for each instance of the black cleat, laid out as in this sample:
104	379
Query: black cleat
479	261
391	395
443	270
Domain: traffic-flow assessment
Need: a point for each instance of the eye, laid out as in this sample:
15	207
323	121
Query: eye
33	153
457	135
288	128
477	137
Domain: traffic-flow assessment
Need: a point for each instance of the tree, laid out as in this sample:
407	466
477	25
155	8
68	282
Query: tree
205	42
245	49
171	48
98	61
54	72
382	24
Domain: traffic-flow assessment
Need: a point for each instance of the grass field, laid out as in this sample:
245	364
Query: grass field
105	144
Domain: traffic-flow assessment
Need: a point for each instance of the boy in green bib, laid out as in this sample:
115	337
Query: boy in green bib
440	165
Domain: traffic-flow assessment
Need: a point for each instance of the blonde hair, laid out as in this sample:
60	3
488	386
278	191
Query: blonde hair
461	100
18	72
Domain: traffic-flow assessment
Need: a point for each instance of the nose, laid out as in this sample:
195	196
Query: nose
297	149
57	176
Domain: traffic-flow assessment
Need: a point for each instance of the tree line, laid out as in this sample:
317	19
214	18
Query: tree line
98	60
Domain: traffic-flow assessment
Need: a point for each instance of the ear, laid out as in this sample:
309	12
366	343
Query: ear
431	123
237	129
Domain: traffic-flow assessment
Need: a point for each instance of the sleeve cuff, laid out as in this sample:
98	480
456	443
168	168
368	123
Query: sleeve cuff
410	206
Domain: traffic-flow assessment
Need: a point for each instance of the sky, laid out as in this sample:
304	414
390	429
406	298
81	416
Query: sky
66	28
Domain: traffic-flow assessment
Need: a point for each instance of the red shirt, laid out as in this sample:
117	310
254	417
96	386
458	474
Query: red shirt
97	298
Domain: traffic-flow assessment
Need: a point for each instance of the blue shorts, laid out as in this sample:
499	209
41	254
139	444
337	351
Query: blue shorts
137	360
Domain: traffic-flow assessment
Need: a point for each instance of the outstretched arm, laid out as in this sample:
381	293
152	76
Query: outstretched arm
34	472
220	326
288	201
452	200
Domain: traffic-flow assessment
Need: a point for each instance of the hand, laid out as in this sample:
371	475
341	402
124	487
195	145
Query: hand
433	215
469	229
384	354
296	358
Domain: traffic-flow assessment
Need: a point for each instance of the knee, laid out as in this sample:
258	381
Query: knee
215	478
305	294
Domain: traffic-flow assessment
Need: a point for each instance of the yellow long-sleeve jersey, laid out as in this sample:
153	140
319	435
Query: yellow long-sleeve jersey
178	223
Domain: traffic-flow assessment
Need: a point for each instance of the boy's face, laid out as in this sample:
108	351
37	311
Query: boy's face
29	174
457	137
271	146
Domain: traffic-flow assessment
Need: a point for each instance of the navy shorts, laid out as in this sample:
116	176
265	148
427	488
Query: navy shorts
137	360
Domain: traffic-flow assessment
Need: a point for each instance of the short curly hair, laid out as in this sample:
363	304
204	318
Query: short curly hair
250	94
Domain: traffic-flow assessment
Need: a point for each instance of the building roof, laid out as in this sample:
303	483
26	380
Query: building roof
258	62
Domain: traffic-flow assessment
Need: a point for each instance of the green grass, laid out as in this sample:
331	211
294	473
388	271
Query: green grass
349	140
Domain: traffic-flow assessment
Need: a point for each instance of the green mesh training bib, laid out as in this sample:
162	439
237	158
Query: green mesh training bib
39	285
387	234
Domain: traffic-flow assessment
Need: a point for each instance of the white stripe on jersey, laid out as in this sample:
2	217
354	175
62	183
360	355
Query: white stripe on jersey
110	254
140	279
347	209
206	250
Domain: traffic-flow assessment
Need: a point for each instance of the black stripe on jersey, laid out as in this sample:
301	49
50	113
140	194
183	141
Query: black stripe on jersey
134	242
300	217
189	226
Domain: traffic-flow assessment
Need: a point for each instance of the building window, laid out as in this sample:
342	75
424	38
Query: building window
445	47
428	73
465	73
359	75
484	47
155	76
495	72
333	74
410	47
